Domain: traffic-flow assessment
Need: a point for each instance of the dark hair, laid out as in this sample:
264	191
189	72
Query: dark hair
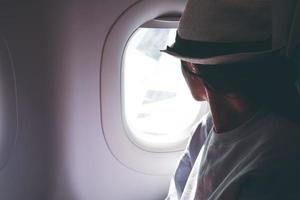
269	83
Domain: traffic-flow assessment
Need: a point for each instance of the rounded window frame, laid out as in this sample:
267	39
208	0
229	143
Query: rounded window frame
126	151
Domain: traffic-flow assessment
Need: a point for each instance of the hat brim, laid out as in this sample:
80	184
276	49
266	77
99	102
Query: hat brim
225	59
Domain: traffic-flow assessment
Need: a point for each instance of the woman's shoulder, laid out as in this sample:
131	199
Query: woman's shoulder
281	130
278	141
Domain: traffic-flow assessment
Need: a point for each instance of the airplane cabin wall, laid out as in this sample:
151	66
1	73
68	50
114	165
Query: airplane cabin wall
60	152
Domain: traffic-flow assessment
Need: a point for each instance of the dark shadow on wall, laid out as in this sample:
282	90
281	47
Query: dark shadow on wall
296	59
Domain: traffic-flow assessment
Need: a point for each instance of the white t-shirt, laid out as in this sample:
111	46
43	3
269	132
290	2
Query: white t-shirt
258	160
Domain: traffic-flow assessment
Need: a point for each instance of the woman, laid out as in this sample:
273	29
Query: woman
249	146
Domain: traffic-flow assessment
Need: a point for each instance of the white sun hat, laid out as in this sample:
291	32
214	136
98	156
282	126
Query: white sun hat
229	31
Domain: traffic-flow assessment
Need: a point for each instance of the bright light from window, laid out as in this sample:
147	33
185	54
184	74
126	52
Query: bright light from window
158	107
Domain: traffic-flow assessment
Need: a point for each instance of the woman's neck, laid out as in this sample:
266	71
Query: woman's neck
230	112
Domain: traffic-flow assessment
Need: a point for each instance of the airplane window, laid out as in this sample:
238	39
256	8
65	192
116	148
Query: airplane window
158	108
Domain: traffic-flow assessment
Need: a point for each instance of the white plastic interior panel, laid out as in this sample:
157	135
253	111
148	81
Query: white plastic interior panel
126	151
8	105
61	152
